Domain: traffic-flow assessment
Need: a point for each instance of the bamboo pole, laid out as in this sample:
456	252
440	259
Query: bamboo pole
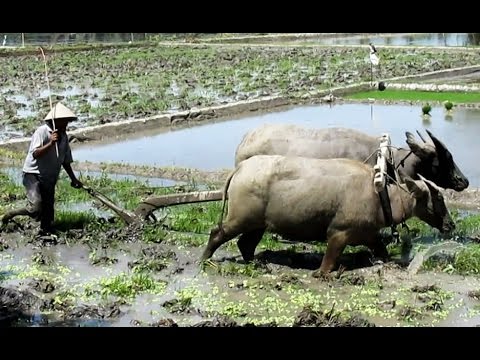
49	95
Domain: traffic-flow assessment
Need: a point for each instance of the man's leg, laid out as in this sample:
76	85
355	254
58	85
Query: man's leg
34	200
48	213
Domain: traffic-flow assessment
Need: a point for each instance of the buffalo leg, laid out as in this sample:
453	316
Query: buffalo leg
218	237
335	247
378	248
248	243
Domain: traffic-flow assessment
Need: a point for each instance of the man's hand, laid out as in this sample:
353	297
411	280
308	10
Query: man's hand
54	136
77	184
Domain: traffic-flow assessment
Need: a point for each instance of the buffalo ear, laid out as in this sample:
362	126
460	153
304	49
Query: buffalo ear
413	187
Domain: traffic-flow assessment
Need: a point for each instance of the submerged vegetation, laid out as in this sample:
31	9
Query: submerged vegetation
116	83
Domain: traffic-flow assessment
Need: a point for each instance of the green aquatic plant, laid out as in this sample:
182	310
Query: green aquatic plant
64	299
234	269
65	220
467	261
186	239
6	154
153	233
448	105
126	286
196	218
426	108
270	242
466	226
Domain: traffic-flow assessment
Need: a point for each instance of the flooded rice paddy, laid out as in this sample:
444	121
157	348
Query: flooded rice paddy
97	271
414	39
108	85
419	39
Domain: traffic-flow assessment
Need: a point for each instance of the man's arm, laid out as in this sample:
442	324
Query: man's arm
75	182
40	151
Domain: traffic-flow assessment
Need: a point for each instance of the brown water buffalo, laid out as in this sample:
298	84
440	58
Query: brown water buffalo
304	199
432	160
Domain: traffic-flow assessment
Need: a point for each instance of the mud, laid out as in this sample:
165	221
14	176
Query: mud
309	317
16	304
162	284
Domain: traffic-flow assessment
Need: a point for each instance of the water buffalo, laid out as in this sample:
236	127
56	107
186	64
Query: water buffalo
432	160
304	199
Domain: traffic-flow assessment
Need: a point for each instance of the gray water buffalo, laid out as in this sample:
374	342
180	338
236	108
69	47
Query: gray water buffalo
431	160
305	199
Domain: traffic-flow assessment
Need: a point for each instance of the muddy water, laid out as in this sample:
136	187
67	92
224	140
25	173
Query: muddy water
212	146
27	107
16	175
384	295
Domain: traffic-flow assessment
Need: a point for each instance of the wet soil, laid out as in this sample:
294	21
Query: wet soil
62	283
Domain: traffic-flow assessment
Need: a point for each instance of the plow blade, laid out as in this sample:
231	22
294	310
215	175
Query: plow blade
125	215
145	208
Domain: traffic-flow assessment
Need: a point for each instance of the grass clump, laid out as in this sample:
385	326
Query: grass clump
424	96
126	287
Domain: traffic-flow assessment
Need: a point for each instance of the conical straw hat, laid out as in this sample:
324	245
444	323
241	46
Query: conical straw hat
60	111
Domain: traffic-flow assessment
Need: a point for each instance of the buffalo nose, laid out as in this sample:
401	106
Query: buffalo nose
462	183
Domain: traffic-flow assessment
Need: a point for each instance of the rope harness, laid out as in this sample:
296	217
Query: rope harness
389	175
402	162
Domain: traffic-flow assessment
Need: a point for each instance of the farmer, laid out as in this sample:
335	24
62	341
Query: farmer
42	167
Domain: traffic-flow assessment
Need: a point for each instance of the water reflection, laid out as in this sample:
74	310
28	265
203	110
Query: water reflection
420	39
15	39
428	39
15	174
415	39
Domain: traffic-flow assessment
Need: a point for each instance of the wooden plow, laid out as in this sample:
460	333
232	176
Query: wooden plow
145	209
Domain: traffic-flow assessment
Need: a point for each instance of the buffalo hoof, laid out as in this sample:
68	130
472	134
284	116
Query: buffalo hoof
378	261
6	218
321	275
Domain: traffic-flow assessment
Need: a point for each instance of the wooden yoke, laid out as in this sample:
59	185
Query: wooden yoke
380	169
